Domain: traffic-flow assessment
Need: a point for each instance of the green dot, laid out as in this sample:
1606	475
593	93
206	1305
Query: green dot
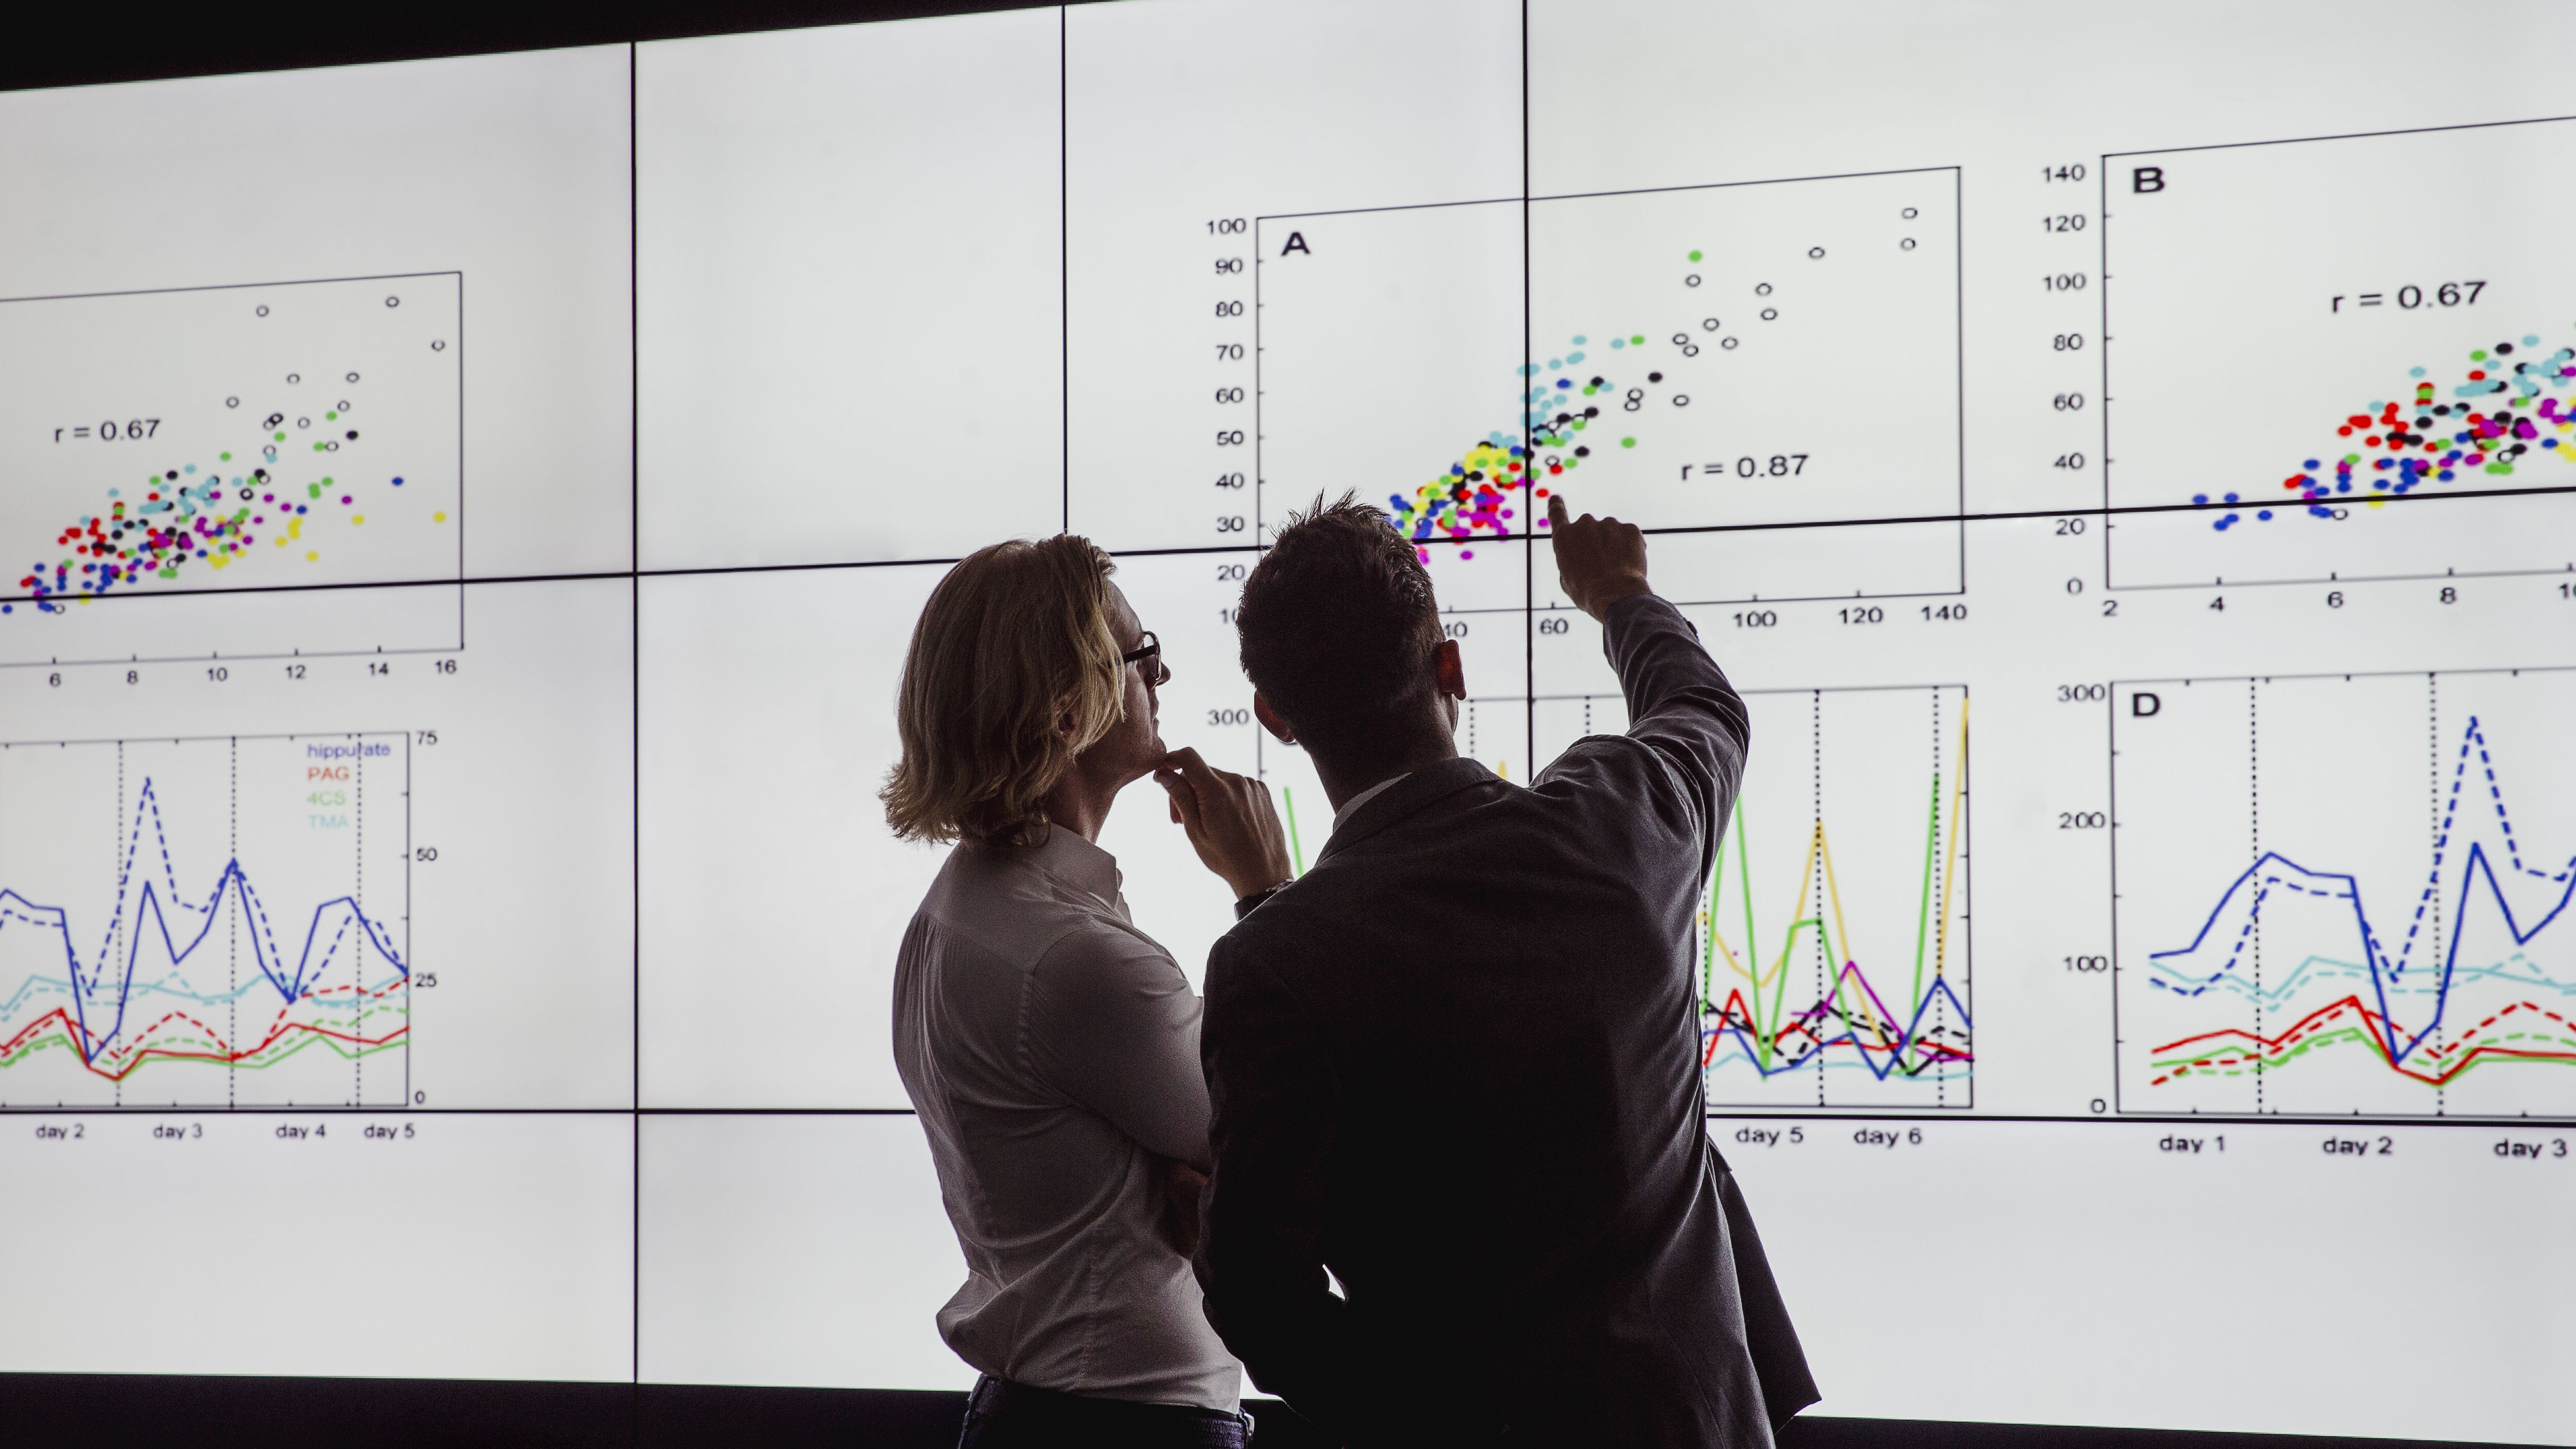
328	417
1627	442
281	437
225	458
1694	256
2478	356
1637	341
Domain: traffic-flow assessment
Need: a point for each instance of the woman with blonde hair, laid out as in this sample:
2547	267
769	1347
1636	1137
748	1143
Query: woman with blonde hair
1050	1046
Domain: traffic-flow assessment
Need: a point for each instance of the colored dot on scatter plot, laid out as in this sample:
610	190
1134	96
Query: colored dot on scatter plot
1637	341
1627	442
438	518
1694	256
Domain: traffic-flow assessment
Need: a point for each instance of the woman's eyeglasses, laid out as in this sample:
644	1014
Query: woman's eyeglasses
1150	653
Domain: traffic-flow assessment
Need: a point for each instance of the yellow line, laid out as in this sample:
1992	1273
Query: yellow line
1842	933
1958	804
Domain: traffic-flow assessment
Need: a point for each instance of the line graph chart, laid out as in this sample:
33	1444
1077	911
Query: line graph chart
1833	944
2386	935
249	946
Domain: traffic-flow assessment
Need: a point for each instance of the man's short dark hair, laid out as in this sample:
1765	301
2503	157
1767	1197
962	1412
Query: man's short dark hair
1339	624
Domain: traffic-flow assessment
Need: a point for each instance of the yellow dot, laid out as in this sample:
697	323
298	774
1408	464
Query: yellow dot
311	554
281	543
438	518
357	518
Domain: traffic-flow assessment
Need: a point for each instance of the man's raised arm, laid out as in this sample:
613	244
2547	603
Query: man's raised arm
1679	702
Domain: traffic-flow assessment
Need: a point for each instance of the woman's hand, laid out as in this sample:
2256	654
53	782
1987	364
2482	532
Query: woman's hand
1230	821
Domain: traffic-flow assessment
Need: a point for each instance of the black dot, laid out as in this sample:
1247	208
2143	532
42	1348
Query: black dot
353	435
1592	412
1654	377
1583	452
2503	347
1564	417
173	474
2423	422
1597	382
2443	411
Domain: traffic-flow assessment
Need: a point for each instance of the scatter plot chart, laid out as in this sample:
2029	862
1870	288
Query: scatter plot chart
1833	941
2347	894
206	922
211	444
1765	354
2307	353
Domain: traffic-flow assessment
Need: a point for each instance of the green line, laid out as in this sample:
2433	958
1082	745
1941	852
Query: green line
1295	849
1923	910
1708	948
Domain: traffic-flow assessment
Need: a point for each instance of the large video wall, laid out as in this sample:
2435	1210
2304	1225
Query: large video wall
467	516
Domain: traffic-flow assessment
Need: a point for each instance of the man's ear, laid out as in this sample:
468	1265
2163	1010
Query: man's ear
1271	721
1449	670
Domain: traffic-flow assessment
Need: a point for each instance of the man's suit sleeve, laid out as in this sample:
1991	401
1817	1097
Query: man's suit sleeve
1680	706
1276	1099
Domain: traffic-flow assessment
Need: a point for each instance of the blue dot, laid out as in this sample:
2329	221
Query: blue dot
2344	487
1561	382
2531	342
1618	342
1574	357
2309	464
1578	339
2265	515
2414	372
2231	497
2200	498
1553	364
397	482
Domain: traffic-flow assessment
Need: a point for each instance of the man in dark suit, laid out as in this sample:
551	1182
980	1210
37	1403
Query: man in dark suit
1458	1062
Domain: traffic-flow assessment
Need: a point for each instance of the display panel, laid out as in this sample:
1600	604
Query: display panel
2136	901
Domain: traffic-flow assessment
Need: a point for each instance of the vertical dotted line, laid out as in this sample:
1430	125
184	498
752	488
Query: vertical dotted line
1815	829
2433	822
1471	729
2254	824
1940	919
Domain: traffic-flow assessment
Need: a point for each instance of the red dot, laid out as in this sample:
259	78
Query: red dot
2343	432
2479	376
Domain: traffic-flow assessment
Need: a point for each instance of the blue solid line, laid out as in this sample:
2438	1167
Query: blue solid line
233	876
2477	864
